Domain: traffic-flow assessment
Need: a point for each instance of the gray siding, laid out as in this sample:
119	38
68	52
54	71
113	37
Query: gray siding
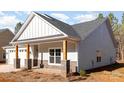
5	37
1	54
98	40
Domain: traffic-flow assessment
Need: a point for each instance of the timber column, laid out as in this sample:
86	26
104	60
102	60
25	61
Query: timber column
64	49
16	60
28	51
65	63
28	60
16	51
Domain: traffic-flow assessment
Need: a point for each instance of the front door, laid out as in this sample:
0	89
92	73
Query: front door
55	56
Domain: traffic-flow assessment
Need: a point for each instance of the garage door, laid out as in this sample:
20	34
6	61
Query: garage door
11	56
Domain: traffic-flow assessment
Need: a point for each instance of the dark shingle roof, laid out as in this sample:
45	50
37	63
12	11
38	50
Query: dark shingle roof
5	29
5	37
84	29
66	28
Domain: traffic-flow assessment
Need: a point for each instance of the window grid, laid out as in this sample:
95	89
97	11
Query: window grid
56	55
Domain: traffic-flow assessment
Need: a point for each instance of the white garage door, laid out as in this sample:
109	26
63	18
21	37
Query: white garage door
22	56
11	56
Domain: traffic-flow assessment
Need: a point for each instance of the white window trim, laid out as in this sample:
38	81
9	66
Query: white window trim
57	64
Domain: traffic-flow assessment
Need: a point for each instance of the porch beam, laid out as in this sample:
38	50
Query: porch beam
64	49
16	51
28	51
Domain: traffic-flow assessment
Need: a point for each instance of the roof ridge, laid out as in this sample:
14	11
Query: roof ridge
89	21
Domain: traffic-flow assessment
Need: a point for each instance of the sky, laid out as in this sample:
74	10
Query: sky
9	19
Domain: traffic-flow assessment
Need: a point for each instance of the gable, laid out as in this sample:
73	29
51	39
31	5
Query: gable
38	28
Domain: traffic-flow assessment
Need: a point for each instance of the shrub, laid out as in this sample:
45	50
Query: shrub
82	72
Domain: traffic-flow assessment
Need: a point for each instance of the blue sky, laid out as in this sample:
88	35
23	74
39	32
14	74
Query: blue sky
8	19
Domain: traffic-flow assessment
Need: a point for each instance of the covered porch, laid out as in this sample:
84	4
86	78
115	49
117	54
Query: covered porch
58	55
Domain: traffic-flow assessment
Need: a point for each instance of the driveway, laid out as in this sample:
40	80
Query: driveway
7	68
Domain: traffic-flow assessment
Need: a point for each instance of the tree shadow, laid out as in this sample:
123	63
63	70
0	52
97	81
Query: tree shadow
107	68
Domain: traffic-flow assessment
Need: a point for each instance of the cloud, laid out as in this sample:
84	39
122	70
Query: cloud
22	12
60	16
27	12
86	17
1	13
9	22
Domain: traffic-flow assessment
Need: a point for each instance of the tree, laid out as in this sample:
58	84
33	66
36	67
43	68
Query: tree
113	21
119	36
116	31
17	27
111	18
122	18
100	16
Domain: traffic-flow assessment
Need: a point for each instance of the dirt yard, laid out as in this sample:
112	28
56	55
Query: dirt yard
112	73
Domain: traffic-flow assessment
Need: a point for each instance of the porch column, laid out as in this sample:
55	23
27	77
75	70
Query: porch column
16	51
28	51
65	62
64	49
16	60
28	60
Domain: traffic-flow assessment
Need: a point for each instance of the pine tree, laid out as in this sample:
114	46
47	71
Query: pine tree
18	26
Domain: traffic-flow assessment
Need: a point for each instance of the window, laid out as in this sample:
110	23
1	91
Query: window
55	56
58	55
98	59
98	56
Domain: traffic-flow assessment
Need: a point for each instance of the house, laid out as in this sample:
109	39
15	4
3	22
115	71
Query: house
45	42
5	37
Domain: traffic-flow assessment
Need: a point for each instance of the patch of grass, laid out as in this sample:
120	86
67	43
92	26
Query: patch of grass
82	72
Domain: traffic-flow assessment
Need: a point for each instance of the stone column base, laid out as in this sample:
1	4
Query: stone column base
41	63
28	63
65	69
16	63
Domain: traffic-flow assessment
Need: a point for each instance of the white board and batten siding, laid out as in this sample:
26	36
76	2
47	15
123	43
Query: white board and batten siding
38	28
99	40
